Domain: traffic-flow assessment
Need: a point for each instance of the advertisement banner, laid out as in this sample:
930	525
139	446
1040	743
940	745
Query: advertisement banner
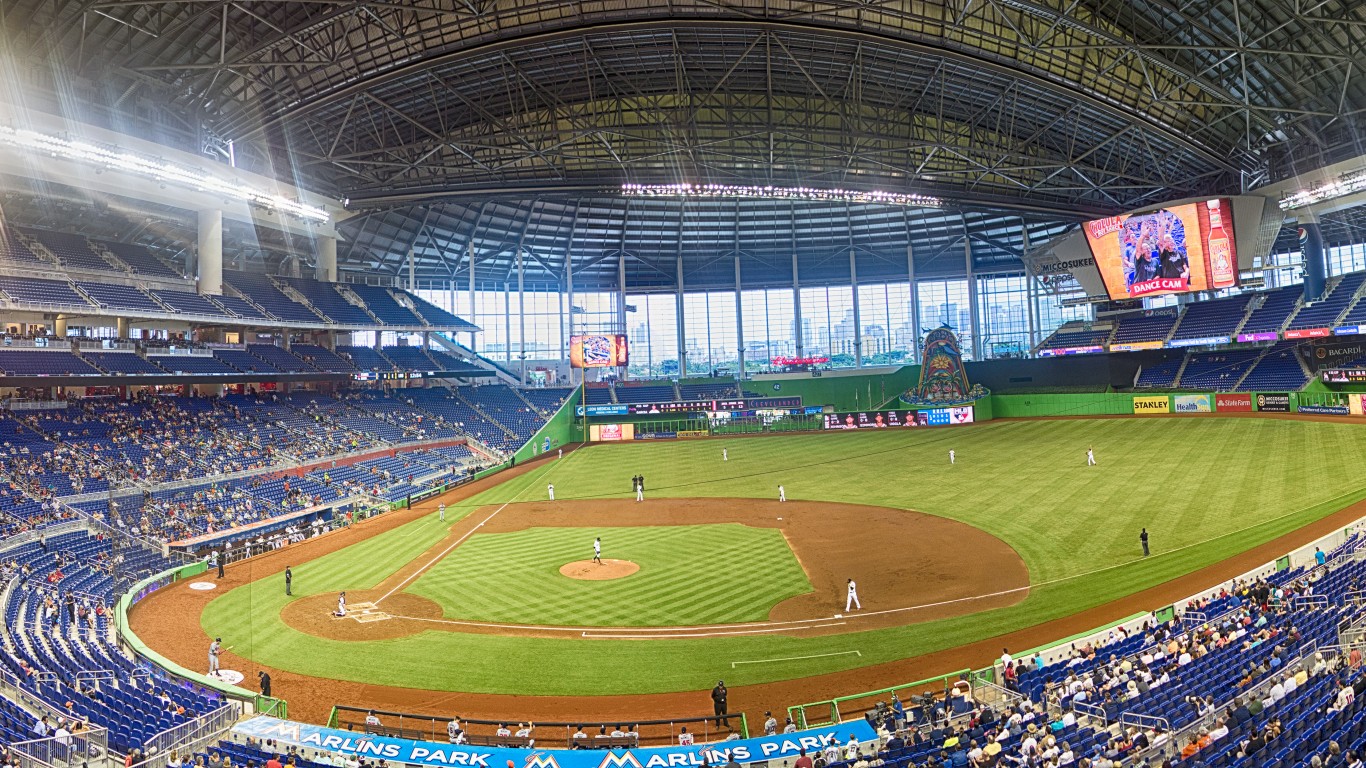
656	435
1244	338
1063	351
1327	410
1334	353
602	410
598	350
611	432
1178	249
1354	405
682	433
1203	341
1308	333
1134	346
1349	330
1273	402
932	417
1193	404
1152	404
425	753
1233	402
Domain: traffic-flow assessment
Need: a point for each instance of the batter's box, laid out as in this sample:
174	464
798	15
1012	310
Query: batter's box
369	616
359	607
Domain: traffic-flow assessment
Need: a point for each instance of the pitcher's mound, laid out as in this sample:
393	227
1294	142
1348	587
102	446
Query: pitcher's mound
588	570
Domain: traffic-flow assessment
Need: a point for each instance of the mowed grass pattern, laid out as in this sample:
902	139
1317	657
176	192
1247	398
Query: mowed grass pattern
689	574
1206	488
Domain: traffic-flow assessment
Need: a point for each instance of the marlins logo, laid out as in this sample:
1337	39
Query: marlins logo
623	760
540	760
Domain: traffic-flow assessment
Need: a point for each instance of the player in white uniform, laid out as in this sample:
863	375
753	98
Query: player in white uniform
640	492
341	605
782	494
560	455
952	456
442	511
725	455
214	648
852	599
1090	457
550	489
597	550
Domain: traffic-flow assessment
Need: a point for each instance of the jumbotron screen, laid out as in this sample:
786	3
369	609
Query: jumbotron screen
1177	249
599	350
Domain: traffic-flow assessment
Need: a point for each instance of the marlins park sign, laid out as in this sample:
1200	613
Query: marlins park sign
787	746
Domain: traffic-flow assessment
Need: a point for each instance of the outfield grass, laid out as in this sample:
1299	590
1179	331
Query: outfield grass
515	577
1205	489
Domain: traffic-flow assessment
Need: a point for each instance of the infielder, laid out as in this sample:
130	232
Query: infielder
852	598
214	648
442	511
782	494
952	456
640	491
597	550
550	489
1090	456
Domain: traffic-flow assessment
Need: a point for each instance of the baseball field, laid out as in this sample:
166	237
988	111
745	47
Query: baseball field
1018	533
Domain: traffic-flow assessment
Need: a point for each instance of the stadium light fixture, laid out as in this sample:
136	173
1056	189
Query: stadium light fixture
102	157
908	199
1348	183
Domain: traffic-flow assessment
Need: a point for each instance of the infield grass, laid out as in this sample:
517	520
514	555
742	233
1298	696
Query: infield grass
515	577
1206	489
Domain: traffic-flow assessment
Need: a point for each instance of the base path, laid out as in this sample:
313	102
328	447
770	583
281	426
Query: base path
163	622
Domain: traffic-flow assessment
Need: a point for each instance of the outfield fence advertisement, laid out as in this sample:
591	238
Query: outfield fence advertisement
1152	404
611	432
787	746
934	417
1192	404
1233	402
1273	402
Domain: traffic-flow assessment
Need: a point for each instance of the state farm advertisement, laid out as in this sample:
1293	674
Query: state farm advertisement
1233	402
1178	249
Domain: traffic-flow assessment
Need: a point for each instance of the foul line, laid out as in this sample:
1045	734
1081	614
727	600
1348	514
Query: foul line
442	554
661	635
734	664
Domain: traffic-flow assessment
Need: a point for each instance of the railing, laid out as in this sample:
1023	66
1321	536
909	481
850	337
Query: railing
1093	711
26	404
660	732
189	737
79	750
837	710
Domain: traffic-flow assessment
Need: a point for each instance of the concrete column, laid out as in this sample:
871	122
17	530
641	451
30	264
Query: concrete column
739	324
621	291
1315	262
473	312
1031	292
59	326
569	315
681	320
121	326
412	270
858	323
972	295
210	256
326	267
915	303
797	304
507	321
521	314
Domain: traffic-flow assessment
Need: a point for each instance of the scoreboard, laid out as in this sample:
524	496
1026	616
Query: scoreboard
1344	376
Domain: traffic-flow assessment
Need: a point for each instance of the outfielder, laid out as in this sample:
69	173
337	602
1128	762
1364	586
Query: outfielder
725	455
597	550
952	456
1090	456
852	599
782	494
214	648
550	489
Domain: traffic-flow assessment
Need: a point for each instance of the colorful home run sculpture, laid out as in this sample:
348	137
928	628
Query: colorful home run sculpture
943	380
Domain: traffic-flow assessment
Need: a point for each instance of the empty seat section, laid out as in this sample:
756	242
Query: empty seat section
111	296
264	293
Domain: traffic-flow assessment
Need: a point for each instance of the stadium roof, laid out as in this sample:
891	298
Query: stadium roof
515	122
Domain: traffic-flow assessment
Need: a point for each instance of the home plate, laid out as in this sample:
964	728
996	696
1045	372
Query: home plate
365	613
203	586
